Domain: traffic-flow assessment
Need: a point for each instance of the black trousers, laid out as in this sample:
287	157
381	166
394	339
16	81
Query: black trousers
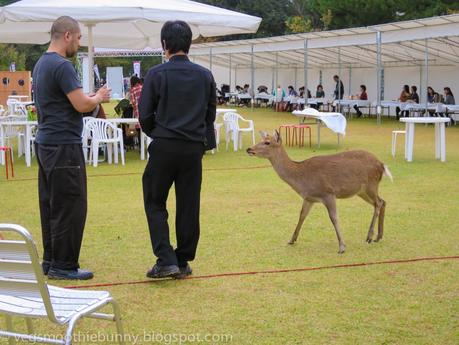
179	162
62	196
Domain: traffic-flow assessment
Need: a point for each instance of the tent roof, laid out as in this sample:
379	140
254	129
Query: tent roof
403	44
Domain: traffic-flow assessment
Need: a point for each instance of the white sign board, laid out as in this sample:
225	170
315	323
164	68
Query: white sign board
115	81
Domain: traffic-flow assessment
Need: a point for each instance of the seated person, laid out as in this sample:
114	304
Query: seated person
320	93
262	89
414	97
432	96
292	95
362	95
404	96
246	91
449	99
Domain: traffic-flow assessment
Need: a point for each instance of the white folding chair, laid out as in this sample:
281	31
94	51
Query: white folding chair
234	132
103	131
11	132
24	293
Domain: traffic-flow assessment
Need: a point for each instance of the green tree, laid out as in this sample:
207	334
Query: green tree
8	55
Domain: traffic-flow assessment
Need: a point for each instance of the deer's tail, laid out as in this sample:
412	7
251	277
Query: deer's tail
388	173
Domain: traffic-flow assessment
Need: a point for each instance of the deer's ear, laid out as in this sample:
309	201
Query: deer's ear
263	134
277	136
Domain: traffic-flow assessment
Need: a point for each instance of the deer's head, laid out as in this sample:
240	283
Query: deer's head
267	147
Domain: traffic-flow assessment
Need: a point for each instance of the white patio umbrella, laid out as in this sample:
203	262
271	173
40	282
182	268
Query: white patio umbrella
133	24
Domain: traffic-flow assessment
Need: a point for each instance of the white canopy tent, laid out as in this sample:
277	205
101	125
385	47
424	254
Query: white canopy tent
133	24
423	43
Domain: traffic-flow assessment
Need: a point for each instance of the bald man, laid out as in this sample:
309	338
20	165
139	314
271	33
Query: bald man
60	100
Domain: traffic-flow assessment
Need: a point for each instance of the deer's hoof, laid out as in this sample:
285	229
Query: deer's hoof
291	243
369	240
342	250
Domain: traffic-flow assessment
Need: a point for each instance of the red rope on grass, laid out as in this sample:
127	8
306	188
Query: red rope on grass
140	173
287	270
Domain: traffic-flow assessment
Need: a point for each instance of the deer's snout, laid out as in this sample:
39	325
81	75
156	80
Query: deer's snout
250	151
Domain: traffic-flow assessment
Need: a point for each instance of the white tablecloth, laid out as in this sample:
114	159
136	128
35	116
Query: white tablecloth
334	121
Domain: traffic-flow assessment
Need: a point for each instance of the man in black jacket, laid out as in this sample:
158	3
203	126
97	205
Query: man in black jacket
177	110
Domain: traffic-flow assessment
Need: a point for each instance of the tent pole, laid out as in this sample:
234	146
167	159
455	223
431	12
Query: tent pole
277	69
339	78
426	74
230	67
350	79
378	78
252	75
305	57
210	59
90	57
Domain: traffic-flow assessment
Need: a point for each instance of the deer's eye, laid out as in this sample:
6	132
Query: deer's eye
267	143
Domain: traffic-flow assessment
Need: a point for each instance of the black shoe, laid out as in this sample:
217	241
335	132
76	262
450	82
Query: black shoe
185	271
45	265
163	271
56	273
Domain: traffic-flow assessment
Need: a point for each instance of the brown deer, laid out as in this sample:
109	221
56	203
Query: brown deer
325	178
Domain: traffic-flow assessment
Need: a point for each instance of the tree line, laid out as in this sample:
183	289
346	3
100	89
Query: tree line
279	17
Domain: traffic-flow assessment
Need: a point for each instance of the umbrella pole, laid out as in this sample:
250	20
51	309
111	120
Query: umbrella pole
90	57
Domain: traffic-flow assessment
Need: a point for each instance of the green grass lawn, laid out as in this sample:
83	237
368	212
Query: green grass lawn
248	216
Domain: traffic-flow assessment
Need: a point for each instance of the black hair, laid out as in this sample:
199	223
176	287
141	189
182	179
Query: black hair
363	87
414	88
176	36
320	85
448	91
335	76
406	88
135	80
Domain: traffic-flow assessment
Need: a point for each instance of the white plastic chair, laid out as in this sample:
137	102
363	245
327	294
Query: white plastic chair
102	131
394	140
24	293
11	132
234	132
85	137
15	107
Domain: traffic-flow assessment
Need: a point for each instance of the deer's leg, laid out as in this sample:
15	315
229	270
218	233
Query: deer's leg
304	212
382	211
373	200
330	204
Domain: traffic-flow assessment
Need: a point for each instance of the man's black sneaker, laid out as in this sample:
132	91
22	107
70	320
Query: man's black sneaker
56	273
163	271
185	271
45	265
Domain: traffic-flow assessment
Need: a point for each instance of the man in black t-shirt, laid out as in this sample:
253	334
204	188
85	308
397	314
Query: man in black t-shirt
60	100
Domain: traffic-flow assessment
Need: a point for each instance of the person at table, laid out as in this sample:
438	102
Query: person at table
449	99
339	89
292	97
320	93
246	90
177	110
404	96
432	96
362	95
279	95
414	97
62	192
